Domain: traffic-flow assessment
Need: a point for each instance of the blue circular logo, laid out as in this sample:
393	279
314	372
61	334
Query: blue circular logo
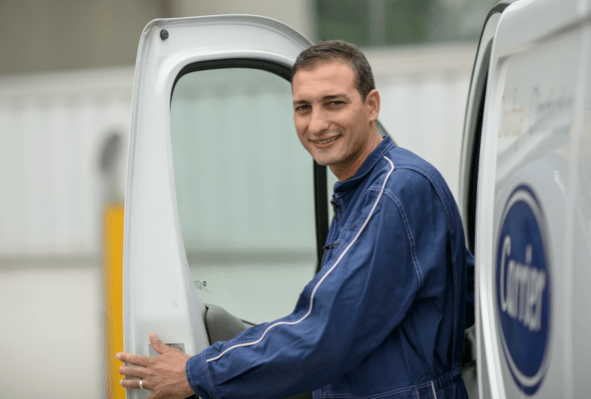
523	289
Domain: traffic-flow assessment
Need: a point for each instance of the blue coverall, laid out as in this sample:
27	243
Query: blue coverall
384	317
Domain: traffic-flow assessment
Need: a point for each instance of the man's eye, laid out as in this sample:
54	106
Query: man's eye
336	103
302	107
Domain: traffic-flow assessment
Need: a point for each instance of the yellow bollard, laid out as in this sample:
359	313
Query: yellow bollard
113	295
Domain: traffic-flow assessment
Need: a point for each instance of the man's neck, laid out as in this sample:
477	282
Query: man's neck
349	171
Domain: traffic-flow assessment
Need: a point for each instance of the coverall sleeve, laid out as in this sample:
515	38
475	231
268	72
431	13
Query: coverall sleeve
360	295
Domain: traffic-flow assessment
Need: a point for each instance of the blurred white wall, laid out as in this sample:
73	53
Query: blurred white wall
424	92
52	131
53	128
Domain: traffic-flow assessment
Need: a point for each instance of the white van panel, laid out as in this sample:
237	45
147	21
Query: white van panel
532	257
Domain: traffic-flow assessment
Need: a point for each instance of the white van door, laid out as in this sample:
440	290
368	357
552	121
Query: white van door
532	218
223	207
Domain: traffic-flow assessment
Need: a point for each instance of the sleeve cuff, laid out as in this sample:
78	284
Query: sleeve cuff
199	378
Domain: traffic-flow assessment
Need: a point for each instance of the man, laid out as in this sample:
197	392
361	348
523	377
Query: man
384	317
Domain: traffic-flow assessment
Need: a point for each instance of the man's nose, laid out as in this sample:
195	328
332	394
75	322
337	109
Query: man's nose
318	121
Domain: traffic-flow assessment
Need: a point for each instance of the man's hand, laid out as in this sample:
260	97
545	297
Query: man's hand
163	375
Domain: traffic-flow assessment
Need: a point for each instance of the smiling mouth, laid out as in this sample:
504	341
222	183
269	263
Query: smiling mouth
329	140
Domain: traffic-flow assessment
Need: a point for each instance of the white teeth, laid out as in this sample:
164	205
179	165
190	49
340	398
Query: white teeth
329	140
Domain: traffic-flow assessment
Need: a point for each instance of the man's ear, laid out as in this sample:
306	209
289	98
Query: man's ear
372	101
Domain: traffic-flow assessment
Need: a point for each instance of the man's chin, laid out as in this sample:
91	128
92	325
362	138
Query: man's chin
328	159
324	161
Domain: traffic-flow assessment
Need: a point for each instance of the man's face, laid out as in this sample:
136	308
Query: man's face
333	123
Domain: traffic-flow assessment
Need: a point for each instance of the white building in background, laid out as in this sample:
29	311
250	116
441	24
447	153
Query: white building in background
54	128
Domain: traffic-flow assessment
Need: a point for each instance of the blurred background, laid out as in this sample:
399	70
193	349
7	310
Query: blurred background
66	79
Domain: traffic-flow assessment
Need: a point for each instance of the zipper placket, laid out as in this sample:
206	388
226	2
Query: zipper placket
338	215
336	209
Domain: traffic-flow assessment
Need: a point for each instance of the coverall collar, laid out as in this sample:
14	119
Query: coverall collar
369	163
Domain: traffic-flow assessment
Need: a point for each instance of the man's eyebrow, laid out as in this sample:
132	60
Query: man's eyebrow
325	98
333	97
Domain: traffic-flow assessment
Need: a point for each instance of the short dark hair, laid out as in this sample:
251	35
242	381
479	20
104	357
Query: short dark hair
338	50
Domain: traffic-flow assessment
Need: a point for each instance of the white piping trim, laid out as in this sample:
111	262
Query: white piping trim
433	388
319	282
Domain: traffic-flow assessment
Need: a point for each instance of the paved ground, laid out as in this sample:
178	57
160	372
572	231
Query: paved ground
51	329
